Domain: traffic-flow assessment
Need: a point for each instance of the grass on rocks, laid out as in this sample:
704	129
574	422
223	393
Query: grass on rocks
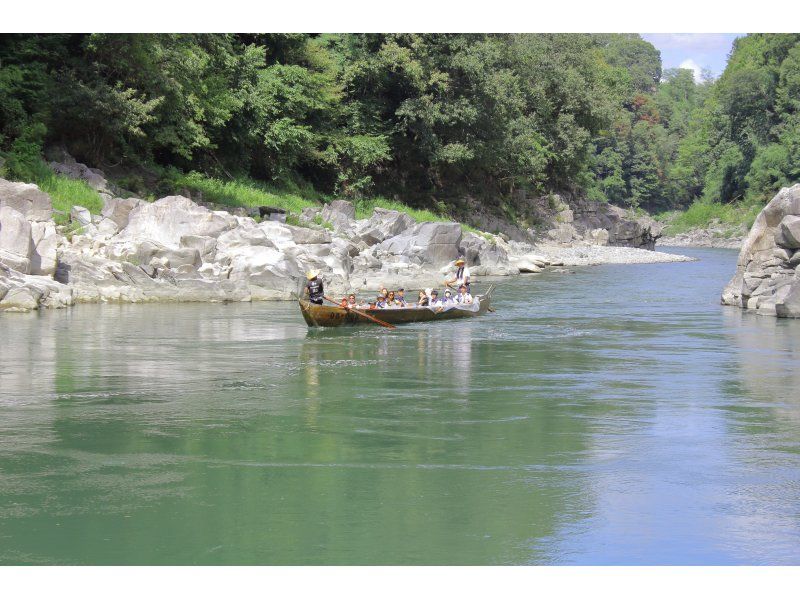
365	207
702	214
291	196
245	193
67	192
64	191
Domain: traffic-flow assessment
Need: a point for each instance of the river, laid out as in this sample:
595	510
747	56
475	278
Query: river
617	415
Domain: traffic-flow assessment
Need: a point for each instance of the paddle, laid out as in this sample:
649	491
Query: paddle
362	314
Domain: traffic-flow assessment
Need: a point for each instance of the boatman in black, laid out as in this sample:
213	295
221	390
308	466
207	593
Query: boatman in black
314	287
461	276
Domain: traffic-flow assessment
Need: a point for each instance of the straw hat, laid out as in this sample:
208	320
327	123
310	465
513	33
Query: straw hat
312	274
460	261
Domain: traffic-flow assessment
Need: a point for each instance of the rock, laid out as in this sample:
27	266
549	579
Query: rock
430	243
16	244
206	246
623	228
486	257
80	215
309	236
44	252
788	306
268	213
782	254
26	198
118	210
308	215
169	219
175	258
382	225
95	178
107	227
787	234
340	214
598	236
563	233
526	267
20	299
764	277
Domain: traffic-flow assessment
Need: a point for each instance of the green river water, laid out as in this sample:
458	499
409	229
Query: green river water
618	415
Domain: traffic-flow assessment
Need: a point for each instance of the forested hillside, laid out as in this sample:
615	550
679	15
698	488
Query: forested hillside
418	118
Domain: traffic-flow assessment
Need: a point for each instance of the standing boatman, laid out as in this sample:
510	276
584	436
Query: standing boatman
462	274
314	287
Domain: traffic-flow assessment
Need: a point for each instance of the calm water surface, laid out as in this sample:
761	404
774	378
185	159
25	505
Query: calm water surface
618	415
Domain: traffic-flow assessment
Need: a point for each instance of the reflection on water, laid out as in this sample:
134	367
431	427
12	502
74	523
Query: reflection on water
619	415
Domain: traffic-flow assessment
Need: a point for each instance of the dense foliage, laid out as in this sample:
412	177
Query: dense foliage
411	116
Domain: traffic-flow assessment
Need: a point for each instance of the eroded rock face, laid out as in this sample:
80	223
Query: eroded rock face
430	243
168	219
44	239
340	214
27	199
487	257
117	209
767	279
382	225
16	243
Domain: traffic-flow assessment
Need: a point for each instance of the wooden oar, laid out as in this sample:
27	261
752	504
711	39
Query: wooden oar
362	314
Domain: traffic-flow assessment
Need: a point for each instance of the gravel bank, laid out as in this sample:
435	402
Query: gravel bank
595	255
700	239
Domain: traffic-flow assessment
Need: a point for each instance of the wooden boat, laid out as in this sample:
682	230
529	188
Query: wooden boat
330	315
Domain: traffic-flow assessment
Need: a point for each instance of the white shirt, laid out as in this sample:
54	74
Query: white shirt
465	298
464	277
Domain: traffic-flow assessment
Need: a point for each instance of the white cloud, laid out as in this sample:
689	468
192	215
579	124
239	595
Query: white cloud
694	67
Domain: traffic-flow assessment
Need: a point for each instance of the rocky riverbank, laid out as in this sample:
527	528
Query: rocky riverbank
177	250
767	279
721	237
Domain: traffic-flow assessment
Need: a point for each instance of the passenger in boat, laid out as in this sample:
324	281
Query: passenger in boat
380	302
463	295
435	298
385	293
314	287
343	302
423	299
351	300
461	275
448	297
401	298
390	300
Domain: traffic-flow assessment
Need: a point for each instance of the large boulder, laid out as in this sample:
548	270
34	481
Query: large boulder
789	305
428	243
787	234
382	225
487	256
27	199
309	236
16	243
340	214
80	215
44	251
169	219
766	278
117	209
20	299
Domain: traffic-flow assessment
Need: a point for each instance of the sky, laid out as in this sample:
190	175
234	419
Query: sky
694	51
